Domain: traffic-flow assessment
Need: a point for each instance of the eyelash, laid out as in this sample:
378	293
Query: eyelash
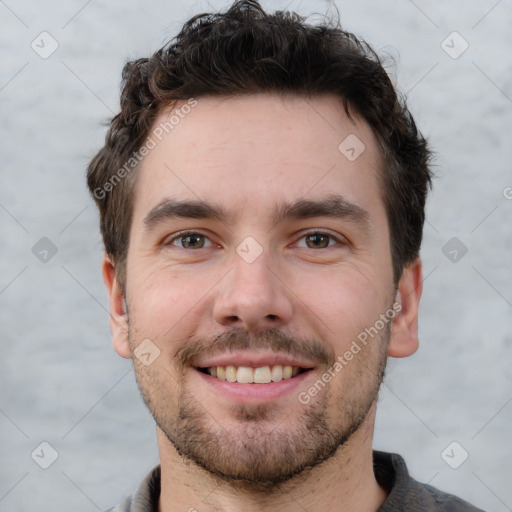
184	234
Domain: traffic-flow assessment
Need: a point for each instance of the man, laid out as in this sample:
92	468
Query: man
262	198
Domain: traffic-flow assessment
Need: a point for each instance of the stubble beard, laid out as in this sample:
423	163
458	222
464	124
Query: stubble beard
261	446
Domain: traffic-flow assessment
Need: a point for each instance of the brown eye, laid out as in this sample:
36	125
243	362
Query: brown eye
189	240
318	240
192	241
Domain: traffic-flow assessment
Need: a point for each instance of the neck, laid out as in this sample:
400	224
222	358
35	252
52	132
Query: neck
345	482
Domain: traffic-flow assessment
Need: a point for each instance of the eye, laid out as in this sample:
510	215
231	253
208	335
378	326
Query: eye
318	240
189	240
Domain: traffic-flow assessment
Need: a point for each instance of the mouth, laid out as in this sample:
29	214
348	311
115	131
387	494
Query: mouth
253	375
249	377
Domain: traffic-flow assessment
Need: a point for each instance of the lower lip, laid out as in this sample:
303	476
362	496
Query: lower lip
253	393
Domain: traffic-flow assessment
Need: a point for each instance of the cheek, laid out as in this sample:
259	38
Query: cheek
169	305
346	300
159	301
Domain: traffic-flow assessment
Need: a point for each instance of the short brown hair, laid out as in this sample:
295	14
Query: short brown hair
244	51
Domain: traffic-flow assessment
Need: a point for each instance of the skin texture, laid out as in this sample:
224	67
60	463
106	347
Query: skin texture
303	295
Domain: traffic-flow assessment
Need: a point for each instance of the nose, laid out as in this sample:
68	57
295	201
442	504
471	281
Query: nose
253	297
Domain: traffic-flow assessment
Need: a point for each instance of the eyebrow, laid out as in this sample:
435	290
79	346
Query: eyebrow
333	206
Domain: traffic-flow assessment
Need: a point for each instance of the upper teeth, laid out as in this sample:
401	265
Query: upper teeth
248	375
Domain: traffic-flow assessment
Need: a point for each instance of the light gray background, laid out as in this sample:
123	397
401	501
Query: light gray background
60	380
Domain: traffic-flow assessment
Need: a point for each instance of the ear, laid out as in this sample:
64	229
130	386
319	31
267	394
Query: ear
118	316
404	332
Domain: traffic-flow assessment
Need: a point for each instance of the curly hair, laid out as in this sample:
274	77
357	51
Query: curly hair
245	51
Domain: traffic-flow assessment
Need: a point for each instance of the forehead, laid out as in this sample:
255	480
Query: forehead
253	151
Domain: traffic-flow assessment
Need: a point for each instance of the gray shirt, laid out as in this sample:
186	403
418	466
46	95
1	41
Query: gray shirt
404	493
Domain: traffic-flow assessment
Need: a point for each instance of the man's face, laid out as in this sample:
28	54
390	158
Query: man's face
297	268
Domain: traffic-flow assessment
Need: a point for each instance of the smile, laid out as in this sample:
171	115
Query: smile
250	375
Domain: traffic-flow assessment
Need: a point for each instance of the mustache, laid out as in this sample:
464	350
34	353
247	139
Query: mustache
275	340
